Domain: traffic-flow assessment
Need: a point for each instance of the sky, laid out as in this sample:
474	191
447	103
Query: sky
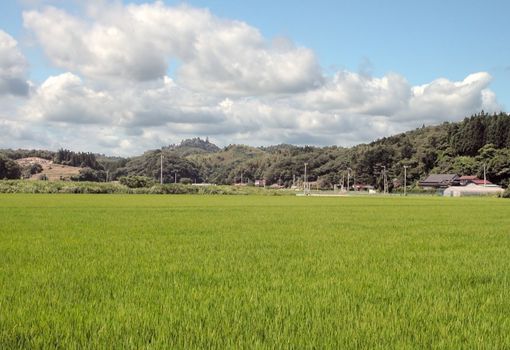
121	77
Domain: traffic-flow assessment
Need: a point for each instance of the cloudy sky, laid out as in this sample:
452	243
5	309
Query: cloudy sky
120	77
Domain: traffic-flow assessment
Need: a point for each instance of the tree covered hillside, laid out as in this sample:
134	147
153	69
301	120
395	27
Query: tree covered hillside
463	148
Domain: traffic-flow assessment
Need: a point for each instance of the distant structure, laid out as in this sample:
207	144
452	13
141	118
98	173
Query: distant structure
452	185
440	181
260	183
473	190
466	180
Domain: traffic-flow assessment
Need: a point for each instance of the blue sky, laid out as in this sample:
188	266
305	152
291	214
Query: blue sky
420	42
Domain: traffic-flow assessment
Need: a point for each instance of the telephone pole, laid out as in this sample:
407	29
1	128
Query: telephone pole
348	178
385	180
484	175
405	179
161	169
305	185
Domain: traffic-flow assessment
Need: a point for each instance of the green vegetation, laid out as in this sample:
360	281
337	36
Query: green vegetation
9	169
130	185
162	272
462	148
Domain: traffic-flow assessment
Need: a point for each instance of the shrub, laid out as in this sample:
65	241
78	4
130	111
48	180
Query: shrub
135	181
9	169
185	181
89	174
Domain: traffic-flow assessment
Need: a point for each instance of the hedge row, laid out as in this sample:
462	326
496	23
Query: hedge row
25	186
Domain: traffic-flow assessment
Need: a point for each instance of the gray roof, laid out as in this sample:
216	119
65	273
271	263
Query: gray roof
441	178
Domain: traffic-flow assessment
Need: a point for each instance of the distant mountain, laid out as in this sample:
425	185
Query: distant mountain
194	146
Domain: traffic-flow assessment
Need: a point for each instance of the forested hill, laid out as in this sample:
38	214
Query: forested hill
462	148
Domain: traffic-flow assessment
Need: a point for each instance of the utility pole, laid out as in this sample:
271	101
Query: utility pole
484	174
161	169
175	176
385	180
405	179
305	185
348	178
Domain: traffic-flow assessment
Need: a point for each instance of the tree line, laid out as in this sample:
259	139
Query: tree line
460	147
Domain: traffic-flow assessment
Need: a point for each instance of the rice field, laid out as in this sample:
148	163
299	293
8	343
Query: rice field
231	272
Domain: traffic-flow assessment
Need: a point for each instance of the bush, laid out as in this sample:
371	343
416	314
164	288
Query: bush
185	181
9	169
24	186
31	169
135	181
91	175
506	194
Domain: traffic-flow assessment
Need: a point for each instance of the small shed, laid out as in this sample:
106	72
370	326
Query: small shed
472	190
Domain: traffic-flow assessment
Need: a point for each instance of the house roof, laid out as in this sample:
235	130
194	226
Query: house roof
468	177
440	178
481	182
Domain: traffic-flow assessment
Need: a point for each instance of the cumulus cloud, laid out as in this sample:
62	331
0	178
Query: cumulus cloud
349	109
13	67
65	99
137	42
231	84
443	99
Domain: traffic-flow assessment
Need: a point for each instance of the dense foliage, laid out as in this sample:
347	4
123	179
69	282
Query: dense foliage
463	148
77	159
135	181
20	186
9	169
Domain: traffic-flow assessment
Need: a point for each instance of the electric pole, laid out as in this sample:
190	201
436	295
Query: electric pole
348	178
161	169
385	180
405	179
484	174
306	180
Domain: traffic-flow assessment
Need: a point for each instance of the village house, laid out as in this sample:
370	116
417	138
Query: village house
439	181
466	180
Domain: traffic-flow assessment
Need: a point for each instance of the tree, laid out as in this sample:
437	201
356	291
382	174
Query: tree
9	169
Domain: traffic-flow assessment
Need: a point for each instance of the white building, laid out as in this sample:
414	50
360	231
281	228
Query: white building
472	190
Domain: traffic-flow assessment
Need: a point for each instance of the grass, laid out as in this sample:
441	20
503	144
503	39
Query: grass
159	272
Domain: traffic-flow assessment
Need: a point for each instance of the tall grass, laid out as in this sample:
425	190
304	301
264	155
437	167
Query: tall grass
26	186
161	272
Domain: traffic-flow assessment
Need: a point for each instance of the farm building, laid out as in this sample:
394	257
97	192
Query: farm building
437	181
466	180
472	190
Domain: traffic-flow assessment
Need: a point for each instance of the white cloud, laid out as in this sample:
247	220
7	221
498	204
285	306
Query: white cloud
446	100
231	83
345	111
13	67
136	42
65	99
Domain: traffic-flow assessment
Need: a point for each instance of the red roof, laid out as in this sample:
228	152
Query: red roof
469	178
481	182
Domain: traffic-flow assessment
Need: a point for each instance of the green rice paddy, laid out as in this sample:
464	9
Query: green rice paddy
183	272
